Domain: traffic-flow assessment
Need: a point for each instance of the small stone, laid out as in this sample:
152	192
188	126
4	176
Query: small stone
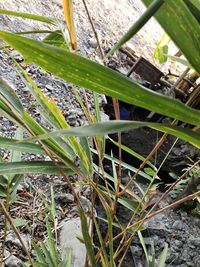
196	261
178	225
11	238
65	198
112	64
16	56
178	243
136	251
49	87
195	241
13	261
93	43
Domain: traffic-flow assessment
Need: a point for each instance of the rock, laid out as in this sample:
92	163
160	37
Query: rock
65	198
196	261
104	117
68	240
93	43
49	87
86	190
18	57
178	243
195	241
178	225
136	251
12	239
13	261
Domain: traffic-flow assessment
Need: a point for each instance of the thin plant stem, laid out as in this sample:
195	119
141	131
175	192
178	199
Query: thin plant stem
16	232
143	197
93	28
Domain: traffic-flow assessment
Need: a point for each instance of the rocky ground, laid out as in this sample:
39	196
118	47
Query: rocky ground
111	19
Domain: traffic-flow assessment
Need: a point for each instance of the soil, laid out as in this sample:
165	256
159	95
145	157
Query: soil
111	19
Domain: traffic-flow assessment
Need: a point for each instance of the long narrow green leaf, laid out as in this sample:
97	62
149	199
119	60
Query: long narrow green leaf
39	254
194	6
180	60
87	238
47	254
51	244
163	256
119	126
132	152
29	16
9	95
151	10
96	77
22	147
110	234
29	167
54	116
105	257
183	28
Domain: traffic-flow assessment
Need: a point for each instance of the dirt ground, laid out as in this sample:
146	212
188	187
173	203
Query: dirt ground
111	19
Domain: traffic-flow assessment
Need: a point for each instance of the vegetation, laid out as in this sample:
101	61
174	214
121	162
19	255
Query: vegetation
55	54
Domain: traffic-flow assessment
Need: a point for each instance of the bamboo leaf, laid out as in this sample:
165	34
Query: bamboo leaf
30	167
96	77
180	60
29	16
132	152
22	147
110	127
9	95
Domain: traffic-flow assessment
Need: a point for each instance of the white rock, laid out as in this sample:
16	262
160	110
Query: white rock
68	240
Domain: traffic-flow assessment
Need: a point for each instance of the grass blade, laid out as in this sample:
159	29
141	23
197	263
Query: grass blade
87	238
28	167
110	127
163	256
96	77
29	16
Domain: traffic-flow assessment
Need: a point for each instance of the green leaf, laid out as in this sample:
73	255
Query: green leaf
22	147
29	16
9	95
96	77
55	38
120	126
180	60
39	254
48	257
110	234
143	19
161	52
19	222
132	152
143	246
183	28
87	238
194	6
163	256
51	244
28	167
